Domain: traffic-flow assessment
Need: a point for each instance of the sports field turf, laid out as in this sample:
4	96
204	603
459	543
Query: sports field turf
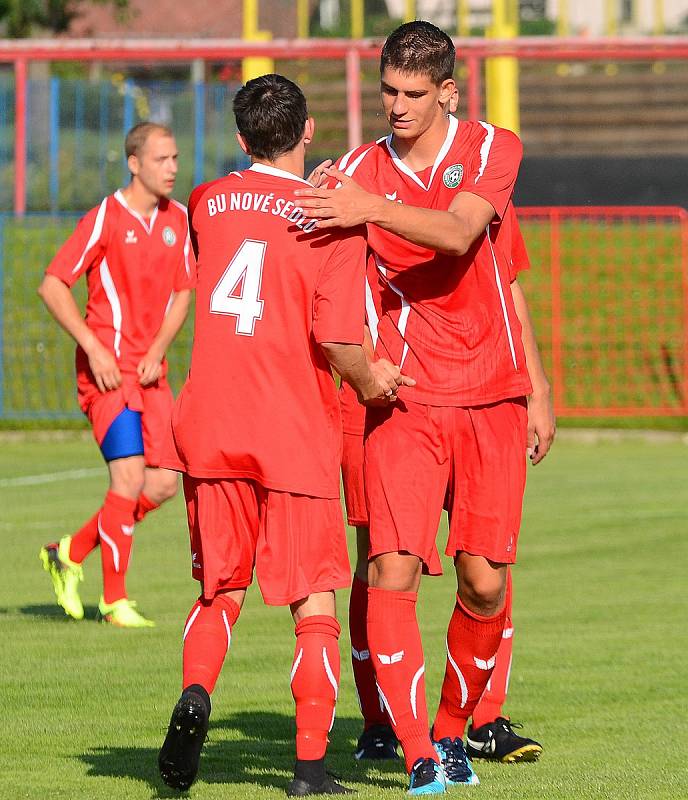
600	650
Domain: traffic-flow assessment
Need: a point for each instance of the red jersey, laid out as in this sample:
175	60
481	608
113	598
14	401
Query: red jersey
508	237
260	401
448	321
133	266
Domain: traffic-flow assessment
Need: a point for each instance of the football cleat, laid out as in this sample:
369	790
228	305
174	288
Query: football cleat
456	764
65	575
427	777
496	741
123	614
302	788
377	743
181	751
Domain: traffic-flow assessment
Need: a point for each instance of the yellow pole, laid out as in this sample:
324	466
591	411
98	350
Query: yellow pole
611	18
302	14
463	27
658	28
502	71
357	19
563	20
409	10
254	66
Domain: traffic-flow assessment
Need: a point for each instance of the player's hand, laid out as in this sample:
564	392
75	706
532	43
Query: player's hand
318	176
104	367
542	427
149	368
387	380
345	207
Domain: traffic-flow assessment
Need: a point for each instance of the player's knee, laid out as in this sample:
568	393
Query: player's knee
395	572
128	482
482	594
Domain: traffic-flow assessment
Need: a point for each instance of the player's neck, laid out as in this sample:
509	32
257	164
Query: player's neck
288	162
420	153
140	199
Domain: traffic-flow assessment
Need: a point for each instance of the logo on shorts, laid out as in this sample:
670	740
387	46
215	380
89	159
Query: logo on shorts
195	563
452	176
169	236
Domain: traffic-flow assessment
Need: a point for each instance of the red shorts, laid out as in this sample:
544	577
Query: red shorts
296	543
352	480
155	403
419	459
353	425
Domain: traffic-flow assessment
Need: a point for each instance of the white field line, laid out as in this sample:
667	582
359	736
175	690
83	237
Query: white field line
50	477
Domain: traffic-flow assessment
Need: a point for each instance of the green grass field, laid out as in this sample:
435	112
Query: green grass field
599	672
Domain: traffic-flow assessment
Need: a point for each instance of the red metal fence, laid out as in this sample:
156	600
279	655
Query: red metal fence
472	54
608	292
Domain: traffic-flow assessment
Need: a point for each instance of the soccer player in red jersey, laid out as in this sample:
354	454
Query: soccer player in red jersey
491	735
256	429
449	317
134	250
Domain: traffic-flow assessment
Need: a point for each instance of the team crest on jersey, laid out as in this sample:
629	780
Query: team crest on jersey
169	236
453	175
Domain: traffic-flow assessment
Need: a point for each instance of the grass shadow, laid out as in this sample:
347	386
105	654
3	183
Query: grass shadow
252	748
53	611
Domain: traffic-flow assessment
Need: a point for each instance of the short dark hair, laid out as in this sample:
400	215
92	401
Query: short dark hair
138	136
417	48
271	115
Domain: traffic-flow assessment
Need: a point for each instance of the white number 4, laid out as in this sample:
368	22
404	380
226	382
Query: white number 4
247	307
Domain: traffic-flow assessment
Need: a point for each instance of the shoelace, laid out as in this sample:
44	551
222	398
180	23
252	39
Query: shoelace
425	773
455	758
509	726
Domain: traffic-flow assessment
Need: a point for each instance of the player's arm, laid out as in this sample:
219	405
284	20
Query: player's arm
452	231
541	421
149	367
375	383
59	300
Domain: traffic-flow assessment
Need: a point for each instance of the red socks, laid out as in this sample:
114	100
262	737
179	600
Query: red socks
143	506
372	708
494	697
472	643
315	683
116	529
85	539
207	634
397	654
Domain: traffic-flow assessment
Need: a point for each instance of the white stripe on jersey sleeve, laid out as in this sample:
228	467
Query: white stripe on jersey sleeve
485	148
95	235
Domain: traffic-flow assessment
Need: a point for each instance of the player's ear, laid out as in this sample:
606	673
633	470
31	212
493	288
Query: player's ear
242	144
447	90
309	130
454	101
133	164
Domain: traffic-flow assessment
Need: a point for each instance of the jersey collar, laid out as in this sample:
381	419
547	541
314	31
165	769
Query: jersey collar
399	164
148	227
276	172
